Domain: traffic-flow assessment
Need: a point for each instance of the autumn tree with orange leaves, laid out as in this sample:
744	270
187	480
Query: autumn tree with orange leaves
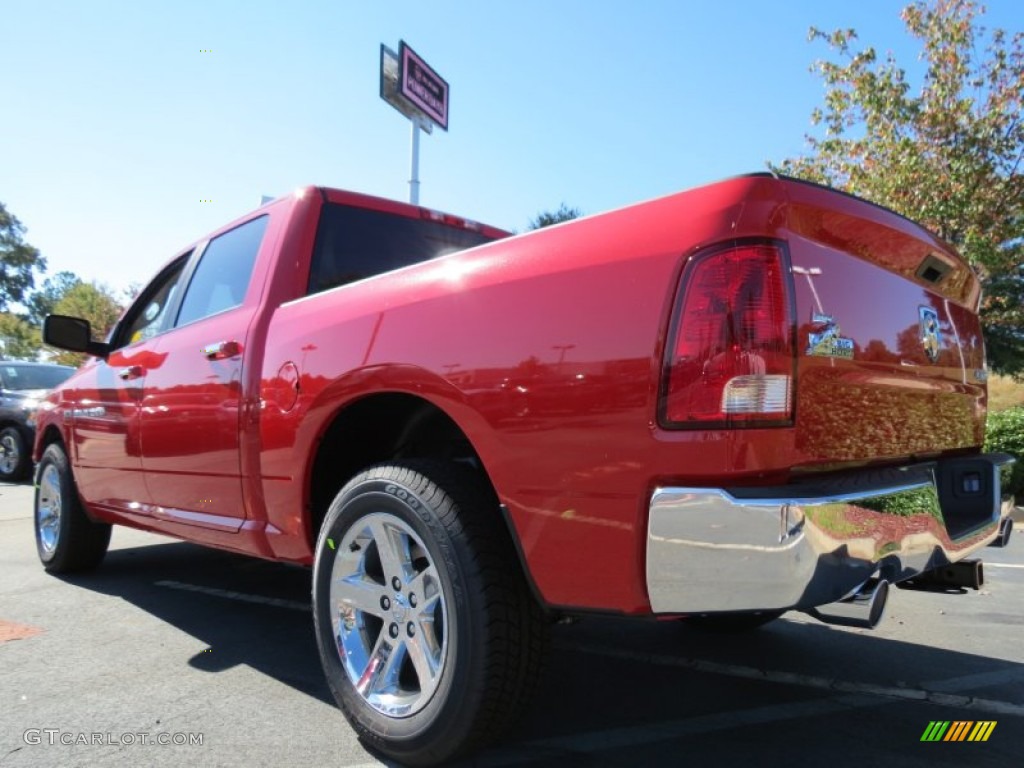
947	152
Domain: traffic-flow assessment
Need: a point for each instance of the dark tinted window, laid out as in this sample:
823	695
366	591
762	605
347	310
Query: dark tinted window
33	376
354	243
222	276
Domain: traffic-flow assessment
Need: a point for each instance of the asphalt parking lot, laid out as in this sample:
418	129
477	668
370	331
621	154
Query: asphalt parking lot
169	641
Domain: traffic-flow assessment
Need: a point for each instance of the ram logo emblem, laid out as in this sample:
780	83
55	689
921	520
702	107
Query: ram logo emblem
931	338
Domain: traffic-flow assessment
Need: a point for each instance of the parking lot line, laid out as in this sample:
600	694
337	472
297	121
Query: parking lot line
277	602
977	680
853	695
652	733
941	692
946	698
856	696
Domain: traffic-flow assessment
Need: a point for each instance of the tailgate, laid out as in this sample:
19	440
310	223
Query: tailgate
891	362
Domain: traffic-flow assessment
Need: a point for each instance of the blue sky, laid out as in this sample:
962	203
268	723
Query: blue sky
115	124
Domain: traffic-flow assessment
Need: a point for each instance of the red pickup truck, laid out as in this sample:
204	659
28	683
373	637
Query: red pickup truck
756	396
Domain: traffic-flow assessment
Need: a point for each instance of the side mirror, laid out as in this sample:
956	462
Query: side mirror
72	334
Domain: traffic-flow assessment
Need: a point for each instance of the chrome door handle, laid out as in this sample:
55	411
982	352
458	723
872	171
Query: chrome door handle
131	372
222	350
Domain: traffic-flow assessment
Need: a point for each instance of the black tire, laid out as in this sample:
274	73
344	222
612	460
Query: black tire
729	623
490	647
66	539
15	459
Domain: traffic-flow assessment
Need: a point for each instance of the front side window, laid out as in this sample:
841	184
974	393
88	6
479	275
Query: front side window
149	315
221	278
356	243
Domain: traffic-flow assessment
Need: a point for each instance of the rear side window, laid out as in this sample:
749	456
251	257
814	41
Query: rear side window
222	276
356	243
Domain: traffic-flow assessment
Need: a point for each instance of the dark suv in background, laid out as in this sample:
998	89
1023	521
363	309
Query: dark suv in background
22	385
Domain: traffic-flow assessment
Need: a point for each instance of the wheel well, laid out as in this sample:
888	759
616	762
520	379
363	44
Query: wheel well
382	428
51	435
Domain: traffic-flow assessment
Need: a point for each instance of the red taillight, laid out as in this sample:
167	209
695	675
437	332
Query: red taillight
731	351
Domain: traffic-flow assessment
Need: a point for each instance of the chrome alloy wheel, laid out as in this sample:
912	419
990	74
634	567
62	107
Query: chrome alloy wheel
48	506
389	614
10	456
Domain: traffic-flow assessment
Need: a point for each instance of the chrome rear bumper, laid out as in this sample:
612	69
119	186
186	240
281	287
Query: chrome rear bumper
805	545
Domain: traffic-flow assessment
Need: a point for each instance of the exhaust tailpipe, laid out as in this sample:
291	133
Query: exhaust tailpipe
863	609
1005	529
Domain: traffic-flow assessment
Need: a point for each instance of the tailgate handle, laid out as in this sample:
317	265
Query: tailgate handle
131	372
222	350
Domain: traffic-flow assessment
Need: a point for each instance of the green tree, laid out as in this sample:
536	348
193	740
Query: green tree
42	301
547	218
947	154
18	261
128	295
19	340
94	303
1005	433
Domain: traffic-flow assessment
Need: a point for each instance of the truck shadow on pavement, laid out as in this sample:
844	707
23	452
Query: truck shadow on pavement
167	581
619	692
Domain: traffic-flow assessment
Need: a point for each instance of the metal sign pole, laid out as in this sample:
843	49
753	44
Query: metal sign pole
414	178
409	85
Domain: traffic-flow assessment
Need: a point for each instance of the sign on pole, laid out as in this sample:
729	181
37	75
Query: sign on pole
390	92
409	85
422	86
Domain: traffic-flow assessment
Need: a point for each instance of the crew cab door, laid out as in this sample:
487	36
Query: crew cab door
191	406
103	406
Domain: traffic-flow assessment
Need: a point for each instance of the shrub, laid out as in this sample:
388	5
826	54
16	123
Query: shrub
1006	435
